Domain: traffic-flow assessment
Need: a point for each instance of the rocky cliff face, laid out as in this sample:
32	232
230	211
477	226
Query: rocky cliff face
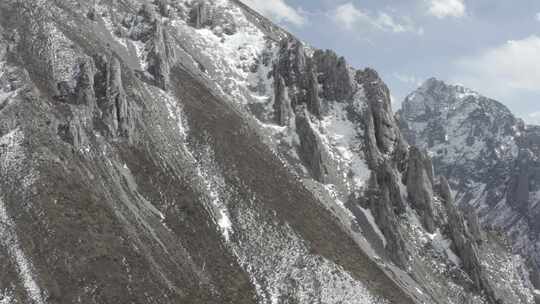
489	156
192	151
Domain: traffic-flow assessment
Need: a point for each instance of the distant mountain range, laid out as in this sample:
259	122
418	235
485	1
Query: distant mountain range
490	157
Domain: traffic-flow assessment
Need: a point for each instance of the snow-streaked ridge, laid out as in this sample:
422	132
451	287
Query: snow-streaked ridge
10	158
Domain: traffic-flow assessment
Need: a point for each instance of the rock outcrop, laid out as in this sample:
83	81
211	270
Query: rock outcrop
378	97
334	76
193	152
419	187
298	73
311	150
465	244
116	113
490	157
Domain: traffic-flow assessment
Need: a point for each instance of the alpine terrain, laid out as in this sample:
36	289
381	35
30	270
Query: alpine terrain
492	159
193	152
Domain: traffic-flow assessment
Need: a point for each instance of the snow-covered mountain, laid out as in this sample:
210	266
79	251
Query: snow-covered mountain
490	157
193	152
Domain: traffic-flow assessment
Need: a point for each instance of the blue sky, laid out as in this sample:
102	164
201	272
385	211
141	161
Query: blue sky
491	46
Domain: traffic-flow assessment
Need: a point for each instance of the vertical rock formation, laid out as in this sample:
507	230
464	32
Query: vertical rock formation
282	104
378	97
312	150
490	157
113	103
419	187
200	15
465	243
334	76
158	57
297	71
386	207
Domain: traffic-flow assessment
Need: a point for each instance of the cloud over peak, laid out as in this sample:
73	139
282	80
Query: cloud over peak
504	71
446	8
349	16
278	10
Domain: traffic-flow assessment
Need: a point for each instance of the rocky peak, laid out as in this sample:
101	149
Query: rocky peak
489	156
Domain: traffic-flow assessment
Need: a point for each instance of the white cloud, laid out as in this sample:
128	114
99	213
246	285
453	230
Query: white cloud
538	16
514	65
408	79
534	117
349	16
277	10
446	8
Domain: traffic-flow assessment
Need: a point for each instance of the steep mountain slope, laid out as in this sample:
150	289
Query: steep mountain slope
490	157
192	151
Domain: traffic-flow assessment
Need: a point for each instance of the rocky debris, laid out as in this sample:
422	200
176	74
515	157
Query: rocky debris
419	187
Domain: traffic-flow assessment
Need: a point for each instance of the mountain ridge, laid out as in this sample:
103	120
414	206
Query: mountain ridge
161	152
497	179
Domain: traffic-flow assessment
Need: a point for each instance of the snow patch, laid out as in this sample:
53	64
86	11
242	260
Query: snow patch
10	241
343	139
276	259
12	159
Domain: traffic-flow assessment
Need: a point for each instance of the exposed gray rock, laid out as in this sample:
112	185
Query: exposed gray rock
298	72
333	75
200	15
158	57
465	244
84	89
378	97
473	225
311	149
419	187
211	205
116	113
382	200
282	103
518	191
490	157
163	7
